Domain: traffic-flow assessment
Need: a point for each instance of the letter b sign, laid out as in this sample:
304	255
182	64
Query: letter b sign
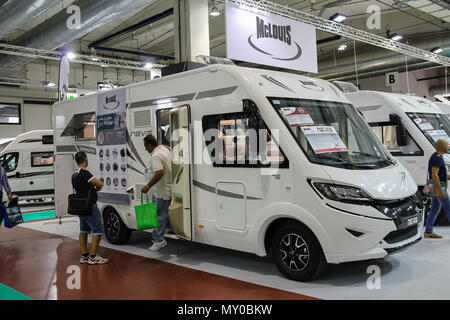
391	79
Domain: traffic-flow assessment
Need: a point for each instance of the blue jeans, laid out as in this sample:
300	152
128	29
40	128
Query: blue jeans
436	205
92	223
162	208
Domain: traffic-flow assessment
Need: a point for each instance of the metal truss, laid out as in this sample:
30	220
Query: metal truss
79	58
342	30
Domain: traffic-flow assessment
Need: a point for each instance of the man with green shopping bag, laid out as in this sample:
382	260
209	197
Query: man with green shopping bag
161	182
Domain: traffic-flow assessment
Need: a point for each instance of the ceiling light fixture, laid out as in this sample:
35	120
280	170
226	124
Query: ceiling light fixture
337	17
214	11
437	50
395	37
342	47
48	84
71	55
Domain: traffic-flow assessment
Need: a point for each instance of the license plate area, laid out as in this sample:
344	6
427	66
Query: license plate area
410	221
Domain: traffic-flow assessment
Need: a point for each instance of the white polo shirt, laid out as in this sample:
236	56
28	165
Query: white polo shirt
160	160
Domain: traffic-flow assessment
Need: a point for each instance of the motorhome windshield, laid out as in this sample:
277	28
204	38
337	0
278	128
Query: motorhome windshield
332	133
434	126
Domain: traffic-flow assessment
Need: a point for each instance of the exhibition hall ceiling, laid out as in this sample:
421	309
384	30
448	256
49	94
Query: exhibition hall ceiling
422	23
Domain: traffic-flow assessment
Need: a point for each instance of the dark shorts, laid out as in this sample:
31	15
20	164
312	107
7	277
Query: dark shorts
93	223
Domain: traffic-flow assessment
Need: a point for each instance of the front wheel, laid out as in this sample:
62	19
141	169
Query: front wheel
115	230
297	253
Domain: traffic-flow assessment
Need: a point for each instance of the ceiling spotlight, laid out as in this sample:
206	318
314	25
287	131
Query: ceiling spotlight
337	17
395	37
48	84
71	55
437	50
342	47
104	66
94	58
148	65
214	11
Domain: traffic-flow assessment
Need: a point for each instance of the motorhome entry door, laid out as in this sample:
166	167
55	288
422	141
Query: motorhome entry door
180	209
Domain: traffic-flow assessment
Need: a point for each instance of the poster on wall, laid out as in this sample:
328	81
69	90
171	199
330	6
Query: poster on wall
270	39
112	146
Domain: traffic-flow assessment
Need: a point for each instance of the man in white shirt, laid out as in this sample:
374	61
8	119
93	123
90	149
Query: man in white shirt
161	182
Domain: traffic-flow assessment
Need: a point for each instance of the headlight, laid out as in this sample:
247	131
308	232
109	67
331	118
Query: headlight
342	193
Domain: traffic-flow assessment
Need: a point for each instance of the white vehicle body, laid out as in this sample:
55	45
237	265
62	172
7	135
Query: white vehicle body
445	108
28	160
240	207
379	110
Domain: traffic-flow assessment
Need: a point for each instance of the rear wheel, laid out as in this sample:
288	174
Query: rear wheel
297	253
115	230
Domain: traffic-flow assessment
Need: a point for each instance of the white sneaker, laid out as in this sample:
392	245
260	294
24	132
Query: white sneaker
97	260
158	245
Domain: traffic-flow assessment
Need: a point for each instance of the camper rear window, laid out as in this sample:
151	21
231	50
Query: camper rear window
85	126
42	159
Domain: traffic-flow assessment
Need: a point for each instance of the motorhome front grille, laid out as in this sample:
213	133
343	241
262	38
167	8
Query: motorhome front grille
401	235
142	118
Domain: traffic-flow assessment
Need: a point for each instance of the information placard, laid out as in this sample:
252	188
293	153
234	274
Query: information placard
297	116
324	139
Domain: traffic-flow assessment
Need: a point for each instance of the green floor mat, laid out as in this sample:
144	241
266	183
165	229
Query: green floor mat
30	216
7	293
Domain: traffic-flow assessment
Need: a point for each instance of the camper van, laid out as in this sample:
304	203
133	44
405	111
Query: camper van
407	125
445	108
325	191
28	161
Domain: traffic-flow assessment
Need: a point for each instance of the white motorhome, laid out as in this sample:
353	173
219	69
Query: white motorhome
28	161
337	195
445	108
407	125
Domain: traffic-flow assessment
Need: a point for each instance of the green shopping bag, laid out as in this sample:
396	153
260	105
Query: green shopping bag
146	216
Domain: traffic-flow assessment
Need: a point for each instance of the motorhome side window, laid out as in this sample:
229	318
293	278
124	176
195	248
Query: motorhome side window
84	126
9	161
331	133
231	142
42	159
390	135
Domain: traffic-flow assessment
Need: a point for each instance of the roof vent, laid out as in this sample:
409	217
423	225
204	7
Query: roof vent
208	60
346	87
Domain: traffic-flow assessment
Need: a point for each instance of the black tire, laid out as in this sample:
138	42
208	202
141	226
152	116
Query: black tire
115	230
313	262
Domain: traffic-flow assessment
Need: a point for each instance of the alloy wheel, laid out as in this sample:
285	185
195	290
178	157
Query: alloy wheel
294	252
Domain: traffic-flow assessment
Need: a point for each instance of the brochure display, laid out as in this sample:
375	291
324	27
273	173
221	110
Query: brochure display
112	146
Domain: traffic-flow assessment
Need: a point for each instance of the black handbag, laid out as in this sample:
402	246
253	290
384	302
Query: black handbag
81	204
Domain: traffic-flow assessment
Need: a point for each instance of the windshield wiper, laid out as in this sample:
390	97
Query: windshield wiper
372	156
333	158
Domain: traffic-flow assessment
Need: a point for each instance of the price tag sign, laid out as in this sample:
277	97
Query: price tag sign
324	139
297	116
